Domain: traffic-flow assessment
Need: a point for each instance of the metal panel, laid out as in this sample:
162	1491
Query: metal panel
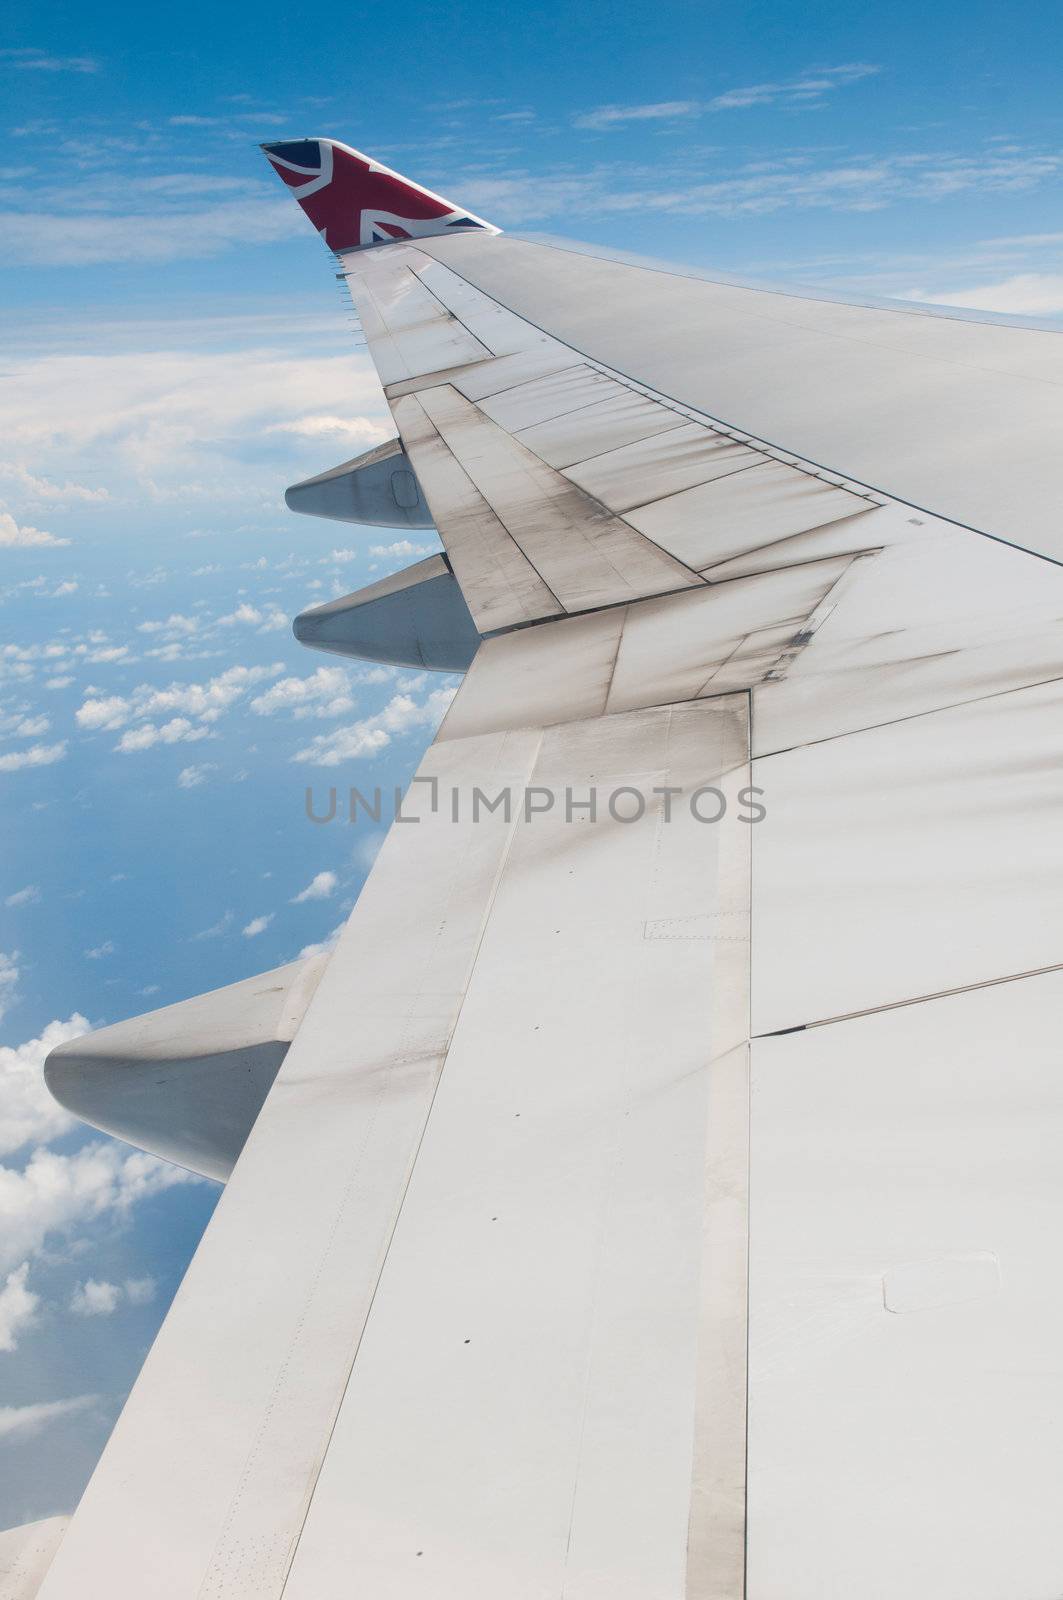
25	1555
908	1444
664	465
552	396
941	618
909	859
960	417
494	326
539	676
500	585
488	377
588	557
409	332
743	511
652	653
846	536
674	649
535	1433
204	1484
606	425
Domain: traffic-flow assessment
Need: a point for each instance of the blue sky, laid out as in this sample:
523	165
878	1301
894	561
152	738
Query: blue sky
176	352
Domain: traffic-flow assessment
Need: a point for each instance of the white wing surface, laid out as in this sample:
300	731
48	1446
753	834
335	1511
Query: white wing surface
661	1196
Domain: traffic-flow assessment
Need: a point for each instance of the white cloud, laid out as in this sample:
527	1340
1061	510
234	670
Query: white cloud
662	111
323	947
18	1307
100	951
146	735
108	713
95	1298
373	733
68	587
28	1114
55	1194
257	925
1025	294
36	488
13	537
243	613
358	430
325	692
38	755
61	682
320	887
24	1422
402	548
176	624
27	727
33	60
140	1291
809	89
24	897
9	976
207	701
175	428
267	621
161	234
192	777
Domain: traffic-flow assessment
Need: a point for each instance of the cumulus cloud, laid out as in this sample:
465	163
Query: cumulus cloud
113	711
24	1422
366	737
402	548
9	976
178	703
18	1307
324	693
54	1194
192	777
257	925
175	624
323	947
320	887
146	735
14	536
98	1298
38	755
28	1114
95	1298
207	701
24	897
267	621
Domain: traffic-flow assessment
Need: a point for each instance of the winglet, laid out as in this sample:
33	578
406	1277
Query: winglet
354	201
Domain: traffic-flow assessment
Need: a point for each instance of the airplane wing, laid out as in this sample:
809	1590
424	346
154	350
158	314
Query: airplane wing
659	1195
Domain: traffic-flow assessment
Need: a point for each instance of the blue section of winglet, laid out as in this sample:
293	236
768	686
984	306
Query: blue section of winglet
300	152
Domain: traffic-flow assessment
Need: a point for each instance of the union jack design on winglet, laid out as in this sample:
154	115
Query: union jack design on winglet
353	201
